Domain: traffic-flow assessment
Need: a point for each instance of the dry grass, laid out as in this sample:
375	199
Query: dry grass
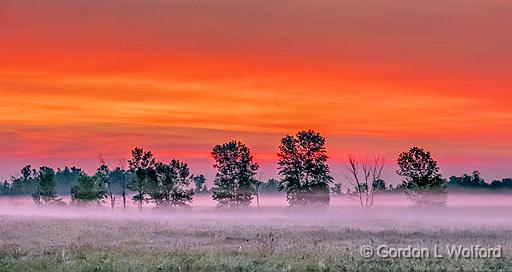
217	244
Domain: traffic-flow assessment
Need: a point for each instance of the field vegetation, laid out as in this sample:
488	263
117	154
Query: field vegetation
265	239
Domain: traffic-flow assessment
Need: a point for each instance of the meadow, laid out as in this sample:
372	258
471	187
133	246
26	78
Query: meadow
269	238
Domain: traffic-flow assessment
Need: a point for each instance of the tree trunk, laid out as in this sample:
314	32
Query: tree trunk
112	201
258	197
140	201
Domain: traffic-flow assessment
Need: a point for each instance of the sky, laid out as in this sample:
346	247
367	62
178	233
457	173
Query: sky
85	80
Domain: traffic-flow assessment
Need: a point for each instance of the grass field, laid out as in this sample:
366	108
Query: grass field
254	240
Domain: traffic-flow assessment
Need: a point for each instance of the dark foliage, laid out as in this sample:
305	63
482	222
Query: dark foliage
303	166
476	182
142	165
89	190
65	179
424	184
170	184
45	186
200	184
103	176
234	183
271	186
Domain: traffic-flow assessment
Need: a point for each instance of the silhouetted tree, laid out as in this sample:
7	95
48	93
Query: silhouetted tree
423	183
103	176
170	187
6	188
200	184
336	189
65	179
303	166
503	184
271	186
507	182
363	175
89	189
26	183
234	183
119	179
473	181
45	186
379	185
142	165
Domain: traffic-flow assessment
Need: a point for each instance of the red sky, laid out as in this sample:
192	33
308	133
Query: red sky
84	79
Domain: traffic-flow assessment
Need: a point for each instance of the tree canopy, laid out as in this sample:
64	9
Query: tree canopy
423	183
303	166
89	189
200	184
234	183
170	184
45	186
142	165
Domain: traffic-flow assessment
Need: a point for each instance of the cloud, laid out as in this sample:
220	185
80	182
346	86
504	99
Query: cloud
80	78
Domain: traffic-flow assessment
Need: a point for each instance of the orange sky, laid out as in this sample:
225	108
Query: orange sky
80	79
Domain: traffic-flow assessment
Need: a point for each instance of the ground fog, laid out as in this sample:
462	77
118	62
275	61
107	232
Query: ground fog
272	237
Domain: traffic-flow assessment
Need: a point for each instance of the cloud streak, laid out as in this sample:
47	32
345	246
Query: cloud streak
87	77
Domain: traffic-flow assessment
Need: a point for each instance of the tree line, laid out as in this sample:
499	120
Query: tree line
305	178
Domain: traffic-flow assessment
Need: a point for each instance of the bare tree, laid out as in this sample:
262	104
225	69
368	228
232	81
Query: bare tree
363	175
122	164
